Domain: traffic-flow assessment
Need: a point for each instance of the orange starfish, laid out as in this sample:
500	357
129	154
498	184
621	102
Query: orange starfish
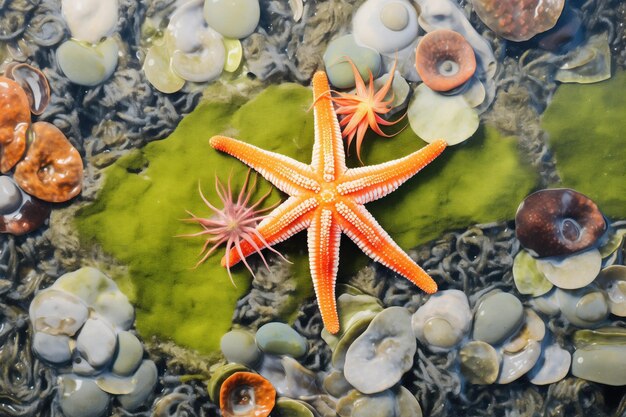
327	198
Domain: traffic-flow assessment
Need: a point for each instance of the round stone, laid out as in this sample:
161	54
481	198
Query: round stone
497	317
10	195
88	65
96	342
394	16
129	354
592	307
233	18
55	349
339	70
280	339
479	363
239	346
81	397
146	379
440	332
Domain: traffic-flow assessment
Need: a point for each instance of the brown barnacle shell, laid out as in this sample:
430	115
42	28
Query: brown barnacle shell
558	222
444	60
52	169
14	122
246	394
34	83
20	213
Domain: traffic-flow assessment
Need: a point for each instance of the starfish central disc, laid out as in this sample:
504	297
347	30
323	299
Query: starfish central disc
327	198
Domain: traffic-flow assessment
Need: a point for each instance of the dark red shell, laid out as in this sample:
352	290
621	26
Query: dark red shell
440	48
558	222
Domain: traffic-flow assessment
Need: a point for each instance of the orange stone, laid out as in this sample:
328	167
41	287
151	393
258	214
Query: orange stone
14	122
52	169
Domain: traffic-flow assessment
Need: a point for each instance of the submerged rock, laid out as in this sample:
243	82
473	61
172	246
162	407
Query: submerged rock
480	363
378	358
280	339
497	317
443	320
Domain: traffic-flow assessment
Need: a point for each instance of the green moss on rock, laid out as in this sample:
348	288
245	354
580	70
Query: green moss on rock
137	215
587	125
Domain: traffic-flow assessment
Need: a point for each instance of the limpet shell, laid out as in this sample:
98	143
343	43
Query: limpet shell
246	394
287	407
444	60
34	83
613	280
480	363
557	222
52	169
589	63
218	378
158	70
289	377
533	329
385	25
572	272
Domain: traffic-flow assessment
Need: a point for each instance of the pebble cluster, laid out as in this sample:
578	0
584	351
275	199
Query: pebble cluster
82	327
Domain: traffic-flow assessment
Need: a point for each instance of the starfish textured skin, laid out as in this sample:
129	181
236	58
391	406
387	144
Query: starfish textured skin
327	198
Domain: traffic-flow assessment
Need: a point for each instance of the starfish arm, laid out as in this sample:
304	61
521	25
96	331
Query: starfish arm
323	240
372	239
287	174
284	221
369	183
328	153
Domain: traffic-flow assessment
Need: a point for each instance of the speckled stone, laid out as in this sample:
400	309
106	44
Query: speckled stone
280	339
239	346
497	317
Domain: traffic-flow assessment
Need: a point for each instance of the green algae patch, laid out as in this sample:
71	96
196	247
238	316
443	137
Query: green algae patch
137	214
586	124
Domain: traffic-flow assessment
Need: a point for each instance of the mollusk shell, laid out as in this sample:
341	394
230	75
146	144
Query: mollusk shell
519	20
87	64
444	60
385	25
246	394
557	222
480	362
515	365
585	307
34	83
552	367
528	279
